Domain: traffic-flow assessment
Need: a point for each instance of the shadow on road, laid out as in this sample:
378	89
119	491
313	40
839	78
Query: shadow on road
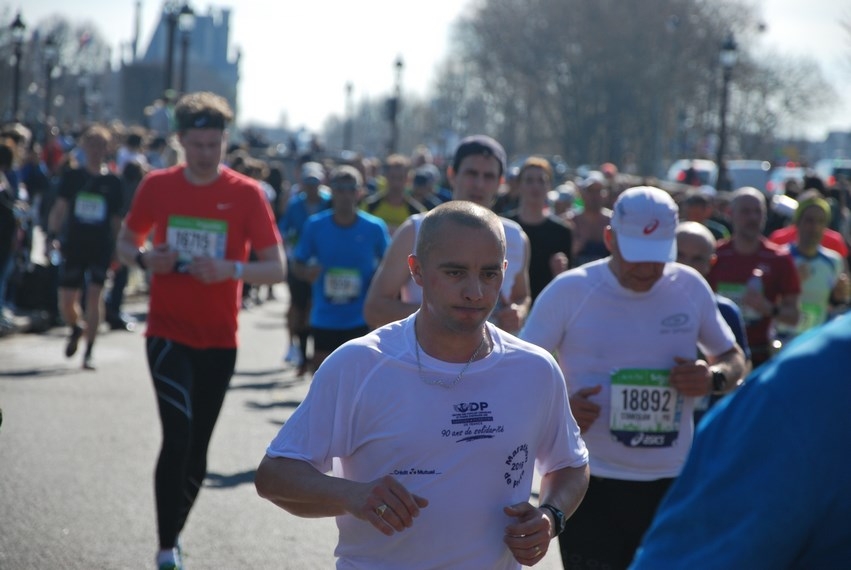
293	404
220	481
32	373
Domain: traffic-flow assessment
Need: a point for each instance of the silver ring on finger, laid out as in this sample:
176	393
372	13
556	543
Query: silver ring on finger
379	510
537	551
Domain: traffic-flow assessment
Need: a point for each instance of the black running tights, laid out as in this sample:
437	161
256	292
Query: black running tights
190	385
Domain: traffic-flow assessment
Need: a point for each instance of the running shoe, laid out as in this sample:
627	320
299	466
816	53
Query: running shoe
73	342
88	363
294	356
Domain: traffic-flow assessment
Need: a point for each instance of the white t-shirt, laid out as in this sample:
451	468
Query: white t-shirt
625	341
515	253
469	449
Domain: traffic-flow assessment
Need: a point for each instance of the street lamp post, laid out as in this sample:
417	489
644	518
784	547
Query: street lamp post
728	57
393	106
51	53
171	25
347	126
186	21
18	29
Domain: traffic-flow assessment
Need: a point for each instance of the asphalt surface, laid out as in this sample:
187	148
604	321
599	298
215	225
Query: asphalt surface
78	447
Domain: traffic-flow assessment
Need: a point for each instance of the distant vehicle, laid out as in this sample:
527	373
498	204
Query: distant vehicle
829	169
781	174
754	173
705	172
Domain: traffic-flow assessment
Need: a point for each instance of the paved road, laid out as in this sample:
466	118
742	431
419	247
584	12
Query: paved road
77	450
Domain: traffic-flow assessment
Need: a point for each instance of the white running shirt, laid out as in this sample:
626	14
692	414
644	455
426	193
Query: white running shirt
469	449
598	327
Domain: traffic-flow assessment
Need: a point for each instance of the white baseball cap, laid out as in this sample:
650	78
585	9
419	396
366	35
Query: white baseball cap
645	223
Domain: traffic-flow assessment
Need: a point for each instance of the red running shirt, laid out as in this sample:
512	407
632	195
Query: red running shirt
223	219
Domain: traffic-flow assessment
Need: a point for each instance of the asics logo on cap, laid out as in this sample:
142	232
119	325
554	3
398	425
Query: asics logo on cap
651	227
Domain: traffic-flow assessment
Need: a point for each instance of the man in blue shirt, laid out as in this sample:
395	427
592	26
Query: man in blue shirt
766	482
338	253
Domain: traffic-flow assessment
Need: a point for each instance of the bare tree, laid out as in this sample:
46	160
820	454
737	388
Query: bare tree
607	80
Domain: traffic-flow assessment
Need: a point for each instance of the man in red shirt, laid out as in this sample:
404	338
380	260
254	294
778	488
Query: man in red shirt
204	218
759	276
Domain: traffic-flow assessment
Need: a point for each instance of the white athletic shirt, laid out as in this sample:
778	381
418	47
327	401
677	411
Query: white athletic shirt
598	327
515	253
469	449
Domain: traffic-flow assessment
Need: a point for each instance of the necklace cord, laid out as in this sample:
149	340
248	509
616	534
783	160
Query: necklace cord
460	374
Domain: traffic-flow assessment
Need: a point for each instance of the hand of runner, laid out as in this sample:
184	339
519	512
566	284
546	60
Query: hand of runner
386	504
160	259
691	377
528	538
208	270
584	410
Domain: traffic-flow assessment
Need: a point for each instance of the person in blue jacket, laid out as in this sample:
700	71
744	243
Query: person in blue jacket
766	482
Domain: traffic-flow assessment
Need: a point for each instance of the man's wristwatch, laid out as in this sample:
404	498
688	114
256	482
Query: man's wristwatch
558	517
719	381
140	259
238	268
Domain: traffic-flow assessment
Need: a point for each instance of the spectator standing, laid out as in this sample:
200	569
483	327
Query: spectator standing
433	424
131	176
204	217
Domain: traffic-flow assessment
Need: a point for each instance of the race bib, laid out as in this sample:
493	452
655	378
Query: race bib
195	237
812	315
342	285
90	208
736	293
645	409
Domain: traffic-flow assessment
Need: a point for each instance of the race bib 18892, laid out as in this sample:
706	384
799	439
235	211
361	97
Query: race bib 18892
645	409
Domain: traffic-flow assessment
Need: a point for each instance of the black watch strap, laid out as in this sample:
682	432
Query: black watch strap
558	517
140	259
719	381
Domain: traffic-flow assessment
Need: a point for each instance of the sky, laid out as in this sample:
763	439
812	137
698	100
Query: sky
298	55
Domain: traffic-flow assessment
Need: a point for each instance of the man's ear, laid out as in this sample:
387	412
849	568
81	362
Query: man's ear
712	259
416	269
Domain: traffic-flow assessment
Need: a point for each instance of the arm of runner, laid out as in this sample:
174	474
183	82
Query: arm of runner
693	378
305	272
514	312
55	220
160	259
382	304
268	269
301	490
